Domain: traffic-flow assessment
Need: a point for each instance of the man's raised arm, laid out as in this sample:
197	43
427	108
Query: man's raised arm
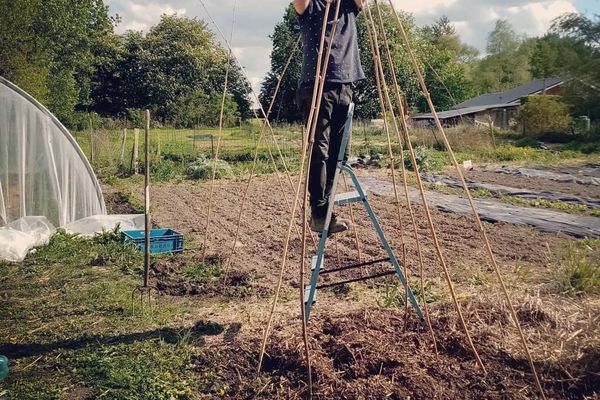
302	5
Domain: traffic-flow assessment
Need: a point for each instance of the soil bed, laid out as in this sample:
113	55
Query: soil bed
375	354
525	182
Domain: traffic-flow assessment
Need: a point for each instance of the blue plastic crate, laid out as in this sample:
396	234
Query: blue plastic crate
161	240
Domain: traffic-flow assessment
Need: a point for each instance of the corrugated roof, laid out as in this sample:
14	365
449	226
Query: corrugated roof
510	96
460	112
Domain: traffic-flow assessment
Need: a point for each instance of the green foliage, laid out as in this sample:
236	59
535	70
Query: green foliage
156	369
443	64
544	114
164	170
203	273
428	160
73	250
577	272
579	59
507	63
48	49
284	38
202	168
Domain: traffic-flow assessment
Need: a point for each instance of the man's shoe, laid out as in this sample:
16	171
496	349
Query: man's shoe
337	225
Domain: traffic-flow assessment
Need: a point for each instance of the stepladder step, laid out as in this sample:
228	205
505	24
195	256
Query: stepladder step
313	264
347	198
307	293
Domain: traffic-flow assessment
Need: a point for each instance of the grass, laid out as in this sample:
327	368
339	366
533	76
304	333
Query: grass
67	316
203	273
187	154
393	294
576	271
555	205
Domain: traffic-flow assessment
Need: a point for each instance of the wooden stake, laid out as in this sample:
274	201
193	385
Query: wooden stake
476	216
135	158
158	132
123	145
147	222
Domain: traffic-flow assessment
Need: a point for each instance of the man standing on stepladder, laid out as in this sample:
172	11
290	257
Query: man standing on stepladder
343	70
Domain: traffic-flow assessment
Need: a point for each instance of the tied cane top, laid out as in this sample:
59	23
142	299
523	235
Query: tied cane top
344	63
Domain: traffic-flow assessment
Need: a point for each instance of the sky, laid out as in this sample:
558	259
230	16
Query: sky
255	19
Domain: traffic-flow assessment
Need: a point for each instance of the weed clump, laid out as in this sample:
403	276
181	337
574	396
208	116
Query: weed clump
74	250
202	168
428	160
577	272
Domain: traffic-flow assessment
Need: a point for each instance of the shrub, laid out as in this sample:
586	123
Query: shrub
202	169
164	170
544	114
428	160
577	272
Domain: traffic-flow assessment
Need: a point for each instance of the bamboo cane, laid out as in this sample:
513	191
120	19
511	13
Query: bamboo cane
477	219
404	177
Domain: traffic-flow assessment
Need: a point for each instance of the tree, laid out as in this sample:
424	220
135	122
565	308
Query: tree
544	114
284	39
427	43
579	65
47	49
503	39
177	70
507	63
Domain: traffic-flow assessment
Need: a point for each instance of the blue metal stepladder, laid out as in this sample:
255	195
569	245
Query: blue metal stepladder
357	196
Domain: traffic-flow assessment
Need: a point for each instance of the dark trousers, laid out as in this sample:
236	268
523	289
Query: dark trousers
328	139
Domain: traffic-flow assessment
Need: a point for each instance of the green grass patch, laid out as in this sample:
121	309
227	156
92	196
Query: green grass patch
576	271
203	273
393	295
151	369
541	203
68	325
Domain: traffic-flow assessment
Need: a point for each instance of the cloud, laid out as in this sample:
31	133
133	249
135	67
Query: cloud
473	20
140	16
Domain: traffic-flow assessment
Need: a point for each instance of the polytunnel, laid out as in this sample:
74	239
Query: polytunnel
45	179
43	171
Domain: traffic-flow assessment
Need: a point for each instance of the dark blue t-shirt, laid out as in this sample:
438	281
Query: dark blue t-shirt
344	63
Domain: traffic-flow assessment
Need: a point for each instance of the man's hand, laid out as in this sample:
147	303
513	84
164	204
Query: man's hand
302	5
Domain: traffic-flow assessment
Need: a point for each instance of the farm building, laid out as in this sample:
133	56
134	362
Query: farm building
499	107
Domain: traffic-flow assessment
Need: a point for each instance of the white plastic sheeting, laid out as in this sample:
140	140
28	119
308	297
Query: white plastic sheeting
99	223
45	179
42	169
18	237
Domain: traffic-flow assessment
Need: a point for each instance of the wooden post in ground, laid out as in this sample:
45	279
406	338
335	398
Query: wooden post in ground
491	124
135	157
123	145
194	136
91	141
147	223
158	139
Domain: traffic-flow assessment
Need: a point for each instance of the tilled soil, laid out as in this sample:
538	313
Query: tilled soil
172	281
358	350
264	223
377	354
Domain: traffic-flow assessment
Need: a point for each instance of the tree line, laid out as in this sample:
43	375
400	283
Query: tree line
453	70
67	55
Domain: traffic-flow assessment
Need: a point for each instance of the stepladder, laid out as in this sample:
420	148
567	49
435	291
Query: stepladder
358	195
